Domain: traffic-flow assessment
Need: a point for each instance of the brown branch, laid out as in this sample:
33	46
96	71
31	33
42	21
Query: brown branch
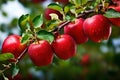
85	13
61	26
25	50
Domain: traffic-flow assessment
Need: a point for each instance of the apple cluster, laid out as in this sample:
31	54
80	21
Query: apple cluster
41	52
96	28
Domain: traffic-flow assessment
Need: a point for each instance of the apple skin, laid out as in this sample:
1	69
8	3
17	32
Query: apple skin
17	77
41	53
13	45
48	11
116	8
85	60
62	1
75	30
38	1
115	21
64	46
116	2
97	28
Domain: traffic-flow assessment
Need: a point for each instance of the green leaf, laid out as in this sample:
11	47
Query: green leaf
25	38
44	35
6	56
67	8
83	1
38	21
15	70
112	14
55	6
23	20
73	10
78	2
52	24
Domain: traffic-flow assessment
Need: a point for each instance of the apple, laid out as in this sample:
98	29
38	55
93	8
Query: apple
64	46
13	45
115	21
38	1
116	8
97	28
17	77
116	2
40	53
85	60
49	11
75	29
62	1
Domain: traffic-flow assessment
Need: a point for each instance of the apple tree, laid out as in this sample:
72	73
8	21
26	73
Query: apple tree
66	40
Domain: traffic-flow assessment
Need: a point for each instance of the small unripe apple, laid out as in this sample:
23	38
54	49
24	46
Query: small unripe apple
115	21
75	29
49	11
13	45
97	28
64	46
41	53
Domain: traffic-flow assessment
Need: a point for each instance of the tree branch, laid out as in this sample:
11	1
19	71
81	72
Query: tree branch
25	50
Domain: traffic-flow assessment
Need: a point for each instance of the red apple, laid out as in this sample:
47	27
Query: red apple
41	53
85	60
50	11
17	77
64	46
62	1
13	45
116	2
97	28
115	21
38	1
75	29
116	8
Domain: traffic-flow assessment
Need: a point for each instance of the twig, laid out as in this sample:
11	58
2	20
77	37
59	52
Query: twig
85	13
6	67
61	26
25	50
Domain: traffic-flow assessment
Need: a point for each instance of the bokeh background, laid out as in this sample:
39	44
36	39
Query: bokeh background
93	61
